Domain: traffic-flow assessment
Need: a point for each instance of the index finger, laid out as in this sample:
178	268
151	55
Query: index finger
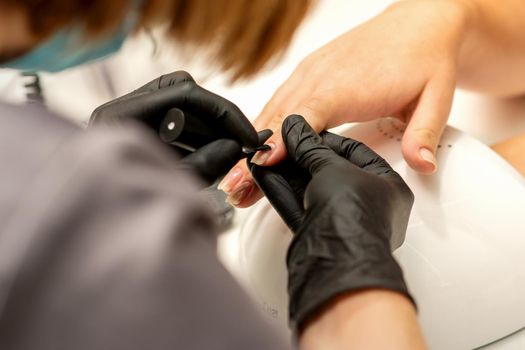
357	153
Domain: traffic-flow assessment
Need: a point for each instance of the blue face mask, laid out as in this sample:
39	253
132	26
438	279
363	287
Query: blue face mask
68	49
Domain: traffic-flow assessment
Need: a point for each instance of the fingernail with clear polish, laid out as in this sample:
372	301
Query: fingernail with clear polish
230	180
262	156
240	193
428	156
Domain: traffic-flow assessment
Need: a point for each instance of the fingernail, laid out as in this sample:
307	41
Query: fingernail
230	180
262	156
428	156
240	193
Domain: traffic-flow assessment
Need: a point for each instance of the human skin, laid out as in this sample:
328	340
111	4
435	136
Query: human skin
369	73
370	319
513	151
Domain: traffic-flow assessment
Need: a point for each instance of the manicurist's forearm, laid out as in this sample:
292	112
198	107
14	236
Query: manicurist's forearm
370	319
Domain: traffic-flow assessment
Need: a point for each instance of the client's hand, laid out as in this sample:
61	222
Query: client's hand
229	129
401	63
355	211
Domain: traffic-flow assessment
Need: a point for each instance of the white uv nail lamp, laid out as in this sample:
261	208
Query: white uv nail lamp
464	252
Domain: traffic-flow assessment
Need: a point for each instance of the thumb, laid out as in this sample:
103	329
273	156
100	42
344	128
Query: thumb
427	123
280	192
314	110
305	146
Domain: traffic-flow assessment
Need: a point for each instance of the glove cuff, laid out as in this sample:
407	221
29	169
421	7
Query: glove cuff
314	284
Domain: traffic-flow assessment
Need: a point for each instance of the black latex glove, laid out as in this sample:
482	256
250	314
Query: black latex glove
355	211
216	158
230	129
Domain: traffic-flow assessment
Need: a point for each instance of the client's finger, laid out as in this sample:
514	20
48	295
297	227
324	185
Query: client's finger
238	183
427	123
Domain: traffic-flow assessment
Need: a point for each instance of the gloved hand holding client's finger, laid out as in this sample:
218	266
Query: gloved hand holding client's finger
348	210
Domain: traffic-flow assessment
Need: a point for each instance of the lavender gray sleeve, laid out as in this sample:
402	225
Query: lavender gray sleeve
105	244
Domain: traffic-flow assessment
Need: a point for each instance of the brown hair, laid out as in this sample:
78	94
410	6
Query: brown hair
243	35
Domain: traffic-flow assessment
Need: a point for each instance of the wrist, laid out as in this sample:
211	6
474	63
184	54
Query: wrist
364	319
456	19
461	11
